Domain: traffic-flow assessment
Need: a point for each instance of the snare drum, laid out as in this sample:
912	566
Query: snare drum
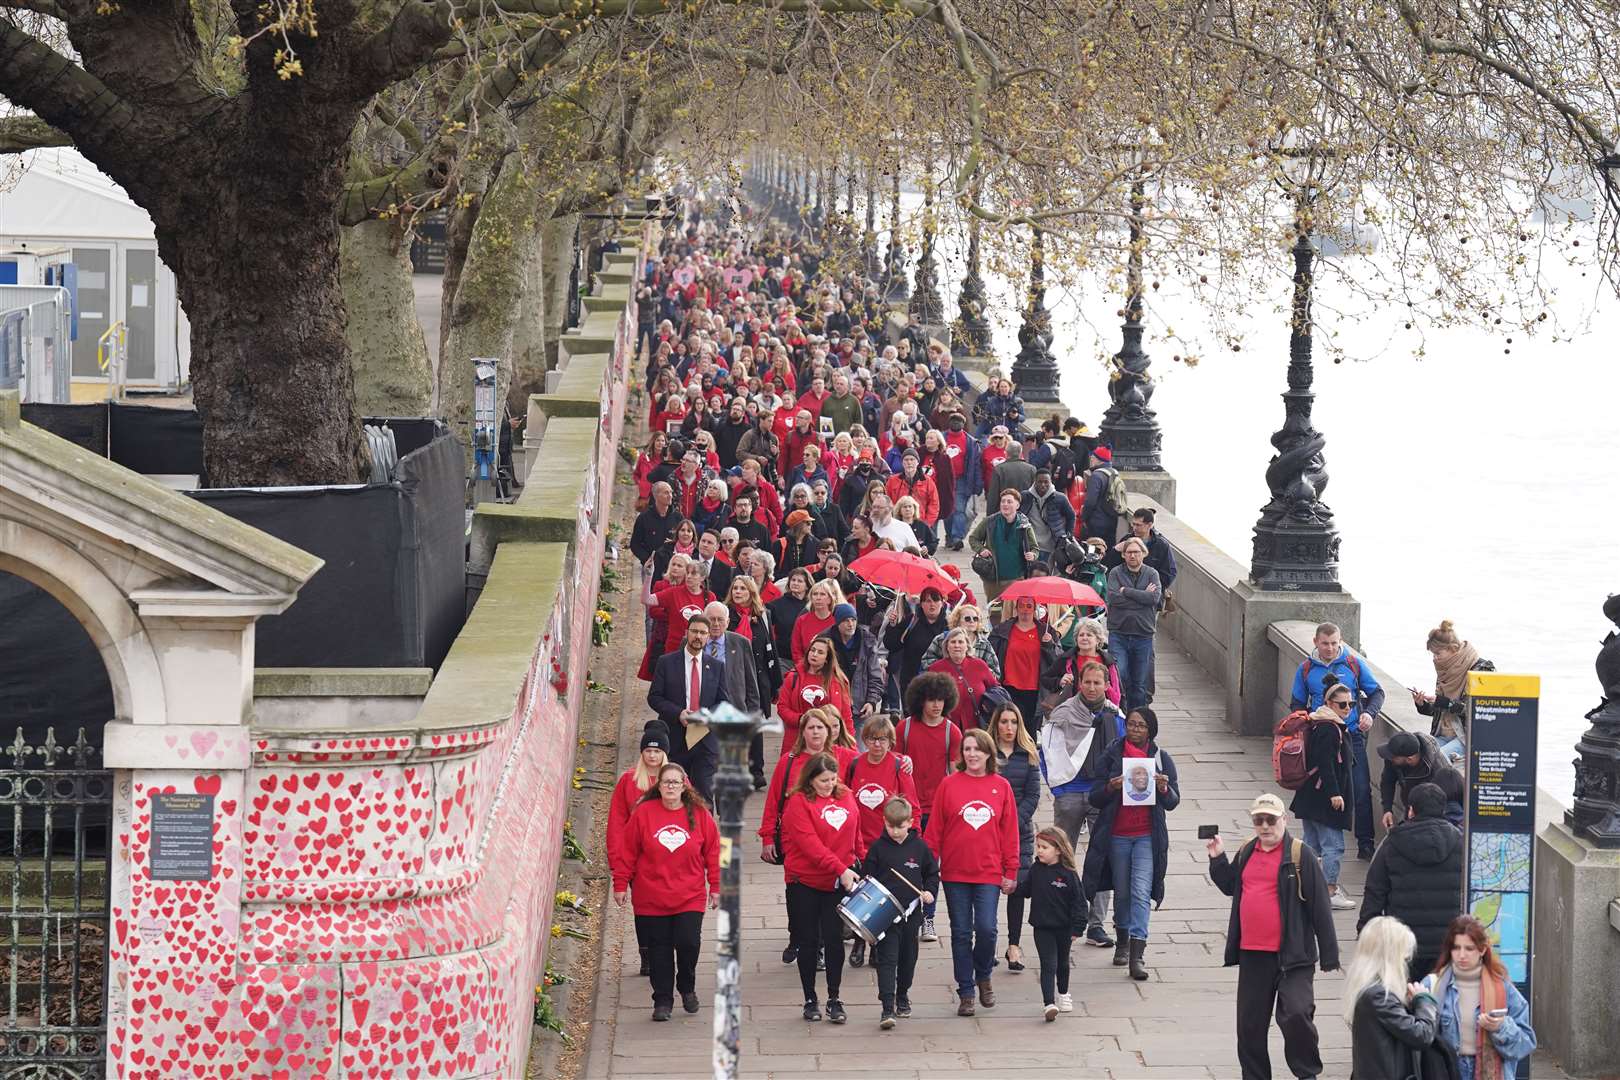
870	910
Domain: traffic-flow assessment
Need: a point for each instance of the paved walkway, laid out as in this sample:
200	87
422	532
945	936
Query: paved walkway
1177	1025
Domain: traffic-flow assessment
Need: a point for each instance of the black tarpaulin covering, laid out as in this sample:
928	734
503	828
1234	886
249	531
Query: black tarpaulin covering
51	674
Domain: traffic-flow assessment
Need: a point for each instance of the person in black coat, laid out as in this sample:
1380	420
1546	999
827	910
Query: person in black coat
1057	914
1276	958
1416	876
670	697
1386	1032
784	611
1324	804
1018	762
909	632
1119	865
653	525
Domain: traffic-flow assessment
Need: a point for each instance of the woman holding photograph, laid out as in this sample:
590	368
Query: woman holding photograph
1130	847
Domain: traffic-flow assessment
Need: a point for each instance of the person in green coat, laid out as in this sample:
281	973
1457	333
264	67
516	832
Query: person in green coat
1008	537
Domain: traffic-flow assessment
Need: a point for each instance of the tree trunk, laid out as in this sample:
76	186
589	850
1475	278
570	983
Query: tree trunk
529	365
392	375
489	291
557	251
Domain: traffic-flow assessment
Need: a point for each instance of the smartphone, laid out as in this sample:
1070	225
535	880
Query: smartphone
1497	1013
1208	832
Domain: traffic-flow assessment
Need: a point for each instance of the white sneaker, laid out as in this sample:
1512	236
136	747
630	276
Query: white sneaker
928	933
1341	901
1049	1012
1065	1003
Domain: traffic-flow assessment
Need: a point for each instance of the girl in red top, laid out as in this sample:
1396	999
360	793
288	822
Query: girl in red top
674	602
816	682
819	827
817	617
974	830
671	859
635	783
971	675
875	777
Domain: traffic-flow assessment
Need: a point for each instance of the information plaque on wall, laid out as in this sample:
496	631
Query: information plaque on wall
182	837
1503	714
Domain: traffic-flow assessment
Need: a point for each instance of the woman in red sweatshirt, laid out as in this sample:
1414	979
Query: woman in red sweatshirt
819	827
635	783
817	616
817	682
671	859
974	830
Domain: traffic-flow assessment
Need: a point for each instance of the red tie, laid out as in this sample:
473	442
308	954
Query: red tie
694	691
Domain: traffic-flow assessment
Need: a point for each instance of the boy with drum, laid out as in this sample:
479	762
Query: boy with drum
903	864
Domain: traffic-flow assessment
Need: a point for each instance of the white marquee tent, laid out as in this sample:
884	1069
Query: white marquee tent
62	201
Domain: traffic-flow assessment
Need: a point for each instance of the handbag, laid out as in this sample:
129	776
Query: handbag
985	566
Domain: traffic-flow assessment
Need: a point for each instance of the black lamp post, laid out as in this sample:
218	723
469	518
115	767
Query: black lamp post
972	337
1130	426
897	287
1034	370
869	240
734	729
925	301
1296	543
1596	816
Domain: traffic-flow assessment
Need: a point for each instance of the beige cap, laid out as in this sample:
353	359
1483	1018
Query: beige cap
1267	804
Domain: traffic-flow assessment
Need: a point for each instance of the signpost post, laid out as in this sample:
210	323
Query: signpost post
1501	810
486	438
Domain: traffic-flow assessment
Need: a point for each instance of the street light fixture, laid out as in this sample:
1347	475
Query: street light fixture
1296	543
1034	370
1130	426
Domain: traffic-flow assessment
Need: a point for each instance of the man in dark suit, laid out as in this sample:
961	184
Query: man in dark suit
745	684
677	702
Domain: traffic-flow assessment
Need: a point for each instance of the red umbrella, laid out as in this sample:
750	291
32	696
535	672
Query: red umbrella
1053	590
902	572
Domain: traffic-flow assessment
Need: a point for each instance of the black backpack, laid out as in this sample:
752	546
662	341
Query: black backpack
1437	1061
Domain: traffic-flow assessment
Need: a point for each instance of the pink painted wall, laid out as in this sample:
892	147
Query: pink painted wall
380	906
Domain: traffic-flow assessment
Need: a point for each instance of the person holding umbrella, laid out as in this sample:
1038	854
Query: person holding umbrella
1005	546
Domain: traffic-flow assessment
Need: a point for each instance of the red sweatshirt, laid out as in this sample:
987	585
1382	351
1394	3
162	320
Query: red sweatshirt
974	829
669	866
620	807
784	777
934	751
805	630
819	835
801	692
873	785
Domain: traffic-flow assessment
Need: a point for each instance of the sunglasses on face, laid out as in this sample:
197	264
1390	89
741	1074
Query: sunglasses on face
1340	704
1264	820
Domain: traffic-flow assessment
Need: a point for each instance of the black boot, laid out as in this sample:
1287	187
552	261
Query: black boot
1139	970
1122	951
857	953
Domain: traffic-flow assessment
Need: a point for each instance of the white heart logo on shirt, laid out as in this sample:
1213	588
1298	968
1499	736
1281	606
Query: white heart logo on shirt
671	836
871	796
953	450
812	694
690	612
977	814
835	816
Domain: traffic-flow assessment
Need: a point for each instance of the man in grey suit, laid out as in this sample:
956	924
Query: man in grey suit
734	651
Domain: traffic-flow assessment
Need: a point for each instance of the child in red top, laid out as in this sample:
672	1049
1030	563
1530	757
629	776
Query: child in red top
819	827
875	777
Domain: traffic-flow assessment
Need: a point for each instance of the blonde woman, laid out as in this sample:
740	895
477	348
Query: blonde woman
966	617
633	784
909	514
817	615
1389	1017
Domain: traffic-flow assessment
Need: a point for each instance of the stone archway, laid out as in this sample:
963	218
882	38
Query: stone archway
168	591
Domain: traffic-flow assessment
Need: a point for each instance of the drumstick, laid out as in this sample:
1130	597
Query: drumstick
909	885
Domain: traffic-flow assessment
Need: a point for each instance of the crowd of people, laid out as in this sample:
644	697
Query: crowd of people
787	442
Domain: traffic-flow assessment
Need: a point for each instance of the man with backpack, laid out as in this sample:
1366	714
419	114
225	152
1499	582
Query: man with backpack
1322	797
1049	511
1280	927
1105	498
1332	659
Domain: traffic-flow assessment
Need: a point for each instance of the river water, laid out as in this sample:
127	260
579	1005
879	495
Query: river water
1470	484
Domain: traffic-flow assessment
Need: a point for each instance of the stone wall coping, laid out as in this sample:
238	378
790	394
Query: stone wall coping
342	682
559	406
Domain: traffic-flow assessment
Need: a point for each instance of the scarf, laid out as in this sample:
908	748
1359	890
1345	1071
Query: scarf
1451	672
1065	740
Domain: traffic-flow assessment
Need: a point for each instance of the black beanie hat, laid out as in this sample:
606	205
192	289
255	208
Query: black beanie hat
655	734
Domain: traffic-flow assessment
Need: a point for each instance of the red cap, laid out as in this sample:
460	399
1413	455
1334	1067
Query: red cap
1102	453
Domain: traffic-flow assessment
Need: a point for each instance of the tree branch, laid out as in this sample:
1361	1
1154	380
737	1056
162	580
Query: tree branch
59	92
419	29
21	133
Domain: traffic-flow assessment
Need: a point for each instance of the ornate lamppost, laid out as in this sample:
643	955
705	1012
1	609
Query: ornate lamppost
972	337
734	729
925	301
1296	543
1034	370
1130	426
897	288
1596	816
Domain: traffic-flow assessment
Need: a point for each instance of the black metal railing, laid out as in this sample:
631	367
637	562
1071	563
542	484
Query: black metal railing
54	820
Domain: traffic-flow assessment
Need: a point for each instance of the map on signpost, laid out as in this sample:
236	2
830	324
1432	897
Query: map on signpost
1500	895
